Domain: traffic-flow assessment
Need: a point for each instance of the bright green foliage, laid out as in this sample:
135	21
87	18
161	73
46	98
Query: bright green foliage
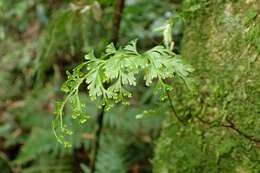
109	77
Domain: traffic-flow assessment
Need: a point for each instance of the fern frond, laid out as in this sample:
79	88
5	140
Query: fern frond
109	76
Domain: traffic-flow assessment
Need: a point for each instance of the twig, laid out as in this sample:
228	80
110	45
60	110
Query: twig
97	139
232	126
173	109
119	7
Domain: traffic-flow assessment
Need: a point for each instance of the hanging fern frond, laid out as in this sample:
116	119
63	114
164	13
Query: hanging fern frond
109	77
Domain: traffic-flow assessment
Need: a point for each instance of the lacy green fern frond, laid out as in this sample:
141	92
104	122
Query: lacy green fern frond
109	76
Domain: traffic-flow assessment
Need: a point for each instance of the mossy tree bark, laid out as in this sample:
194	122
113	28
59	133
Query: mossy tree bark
222	42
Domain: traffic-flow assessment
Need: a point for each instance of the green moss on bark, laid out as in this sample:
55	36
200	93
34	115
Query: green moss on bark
222	42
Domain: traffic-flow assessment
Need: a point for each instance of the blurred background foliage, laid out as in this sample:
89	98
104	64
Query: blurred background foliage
41	39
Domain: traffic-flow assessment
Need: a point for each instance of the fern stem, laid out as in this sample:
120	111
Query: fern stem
97	140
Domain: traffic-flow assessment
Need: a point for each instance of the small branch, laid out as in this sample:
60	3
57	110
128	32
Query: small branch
97	141
232	126
119	7
229	125
173	109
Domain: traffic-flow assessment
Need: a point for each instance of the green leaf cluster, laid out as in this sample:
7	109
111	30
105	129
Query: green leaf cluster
110	77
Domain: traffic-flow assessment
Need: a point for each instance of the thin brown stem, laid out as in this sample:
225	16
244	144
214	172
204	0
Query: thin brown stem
231	125
173	108
97	139
119	7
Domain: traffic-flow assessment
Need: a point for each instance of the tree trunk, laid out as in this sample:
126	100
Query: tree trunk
222	42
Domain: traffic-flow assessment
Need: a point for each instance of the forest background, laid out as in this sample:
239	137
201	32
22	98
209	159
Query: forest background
217	127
